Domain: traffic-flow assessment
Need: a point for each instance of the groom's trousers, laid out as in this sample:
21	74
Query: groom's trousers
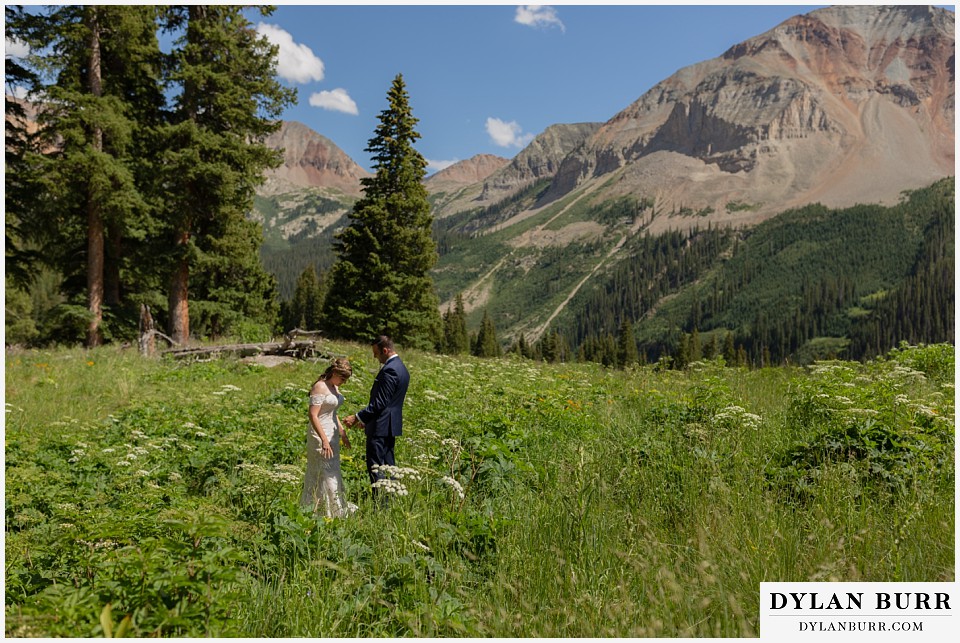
379	451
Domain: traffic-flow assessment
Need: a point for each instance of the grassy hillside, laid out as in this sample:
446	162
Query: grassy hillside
298	229
594	502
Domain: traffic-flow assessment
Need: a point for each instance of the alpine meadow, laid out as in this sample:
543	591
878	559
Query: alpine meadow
538	499
653	362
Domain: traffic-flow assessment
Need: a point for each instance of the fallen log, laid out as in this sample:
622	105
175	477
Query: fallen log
289	347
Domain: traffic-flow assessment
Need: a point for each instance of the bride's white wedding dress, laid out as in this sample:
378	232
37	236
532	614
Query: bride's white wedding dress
323	484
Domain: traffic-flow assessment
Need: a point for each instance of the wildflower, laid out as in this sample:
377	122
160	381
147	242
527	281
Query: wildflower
421	545
231	387
109	450
173	476
141	473
200	434
391	486
89	363
453	483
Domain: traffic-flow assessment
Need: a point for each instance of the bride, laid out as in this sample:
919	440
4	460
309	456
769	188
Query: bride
323	483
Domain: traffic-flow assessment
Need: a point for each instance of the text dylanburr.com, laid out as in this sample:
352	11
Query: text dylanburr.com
858	611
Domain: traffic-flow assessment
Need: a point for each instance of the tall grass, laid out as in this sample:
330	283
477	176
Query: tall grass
595	502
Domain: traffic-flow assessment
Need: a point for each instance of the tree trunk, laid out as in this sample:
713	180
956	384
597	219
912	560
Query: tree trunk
95	242
177	299
111	270
148	340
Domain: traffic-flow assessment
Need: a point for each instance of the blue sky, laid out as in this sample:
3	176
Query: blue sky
488	78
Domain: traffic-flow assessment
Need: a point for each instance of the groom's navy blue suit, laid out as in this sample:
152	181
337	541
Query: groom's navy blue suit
382	418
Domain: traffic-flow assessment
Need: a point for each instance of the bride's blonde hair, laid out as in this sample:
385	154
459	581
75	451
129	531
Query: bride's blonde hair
340	366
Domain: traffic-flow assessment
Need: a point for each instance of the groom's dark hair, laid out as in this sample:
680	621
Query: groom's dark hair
383	342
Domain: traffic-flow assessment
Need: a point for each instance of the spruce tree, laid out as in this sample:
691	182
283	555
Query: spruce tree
305	306
212	157
628	355
380	277
97	77
455	338
487	344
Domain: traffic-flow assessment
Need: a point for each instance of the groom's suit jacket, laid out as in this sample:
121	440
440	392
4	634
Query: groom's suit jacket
383	416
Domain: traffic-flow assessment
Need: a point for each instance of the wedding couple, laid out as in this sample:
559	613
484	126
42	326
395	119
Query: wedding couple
381	419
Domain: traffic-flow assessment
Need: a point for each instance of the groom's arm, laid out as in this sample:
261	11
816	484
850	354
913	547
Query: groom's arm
382	393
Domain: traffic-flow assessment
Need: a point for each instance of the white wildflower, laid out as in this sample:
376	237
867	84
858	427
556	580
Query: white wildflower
391	486
200	434
453	483
109	450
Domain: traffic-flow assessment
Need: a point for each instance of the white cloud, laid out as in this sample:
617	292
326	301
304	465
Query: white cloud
534	15
296	63
507	134
337	100
15	48
436	166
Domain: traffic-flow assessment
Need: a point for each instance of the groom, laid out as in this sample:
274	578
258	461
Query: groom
382	418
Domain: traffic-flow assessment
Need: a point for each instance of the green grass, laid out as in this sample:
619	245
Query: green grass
596	502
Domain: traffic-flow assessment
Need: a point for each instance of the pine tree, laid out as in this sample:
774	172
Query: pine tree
303	310
103	66
487	344
385	253
628	345
455	339
729	352
212	157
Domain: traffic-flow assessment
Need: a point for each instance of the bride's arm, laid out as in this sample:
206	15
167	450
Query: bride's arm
343	433
327	450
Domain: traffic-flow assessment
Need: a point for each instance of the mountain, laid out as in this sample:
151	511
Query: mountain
539	160
839	106
463	173
593	224
310	160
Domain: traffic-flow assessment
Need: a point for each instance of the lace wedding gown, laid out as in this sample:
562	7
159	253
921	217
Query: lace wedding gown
323	484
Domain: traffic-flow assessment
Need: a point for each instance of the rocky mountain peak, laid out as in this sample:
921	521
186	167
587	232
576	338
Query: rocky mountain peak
840	105
310	160
461	173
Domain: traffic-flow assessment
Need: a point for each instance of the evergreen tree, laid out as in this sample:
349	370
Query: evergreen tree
303	310
212	157
487	344
455	339
628	345
696	350
385	253
98	82
682	358
729	352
